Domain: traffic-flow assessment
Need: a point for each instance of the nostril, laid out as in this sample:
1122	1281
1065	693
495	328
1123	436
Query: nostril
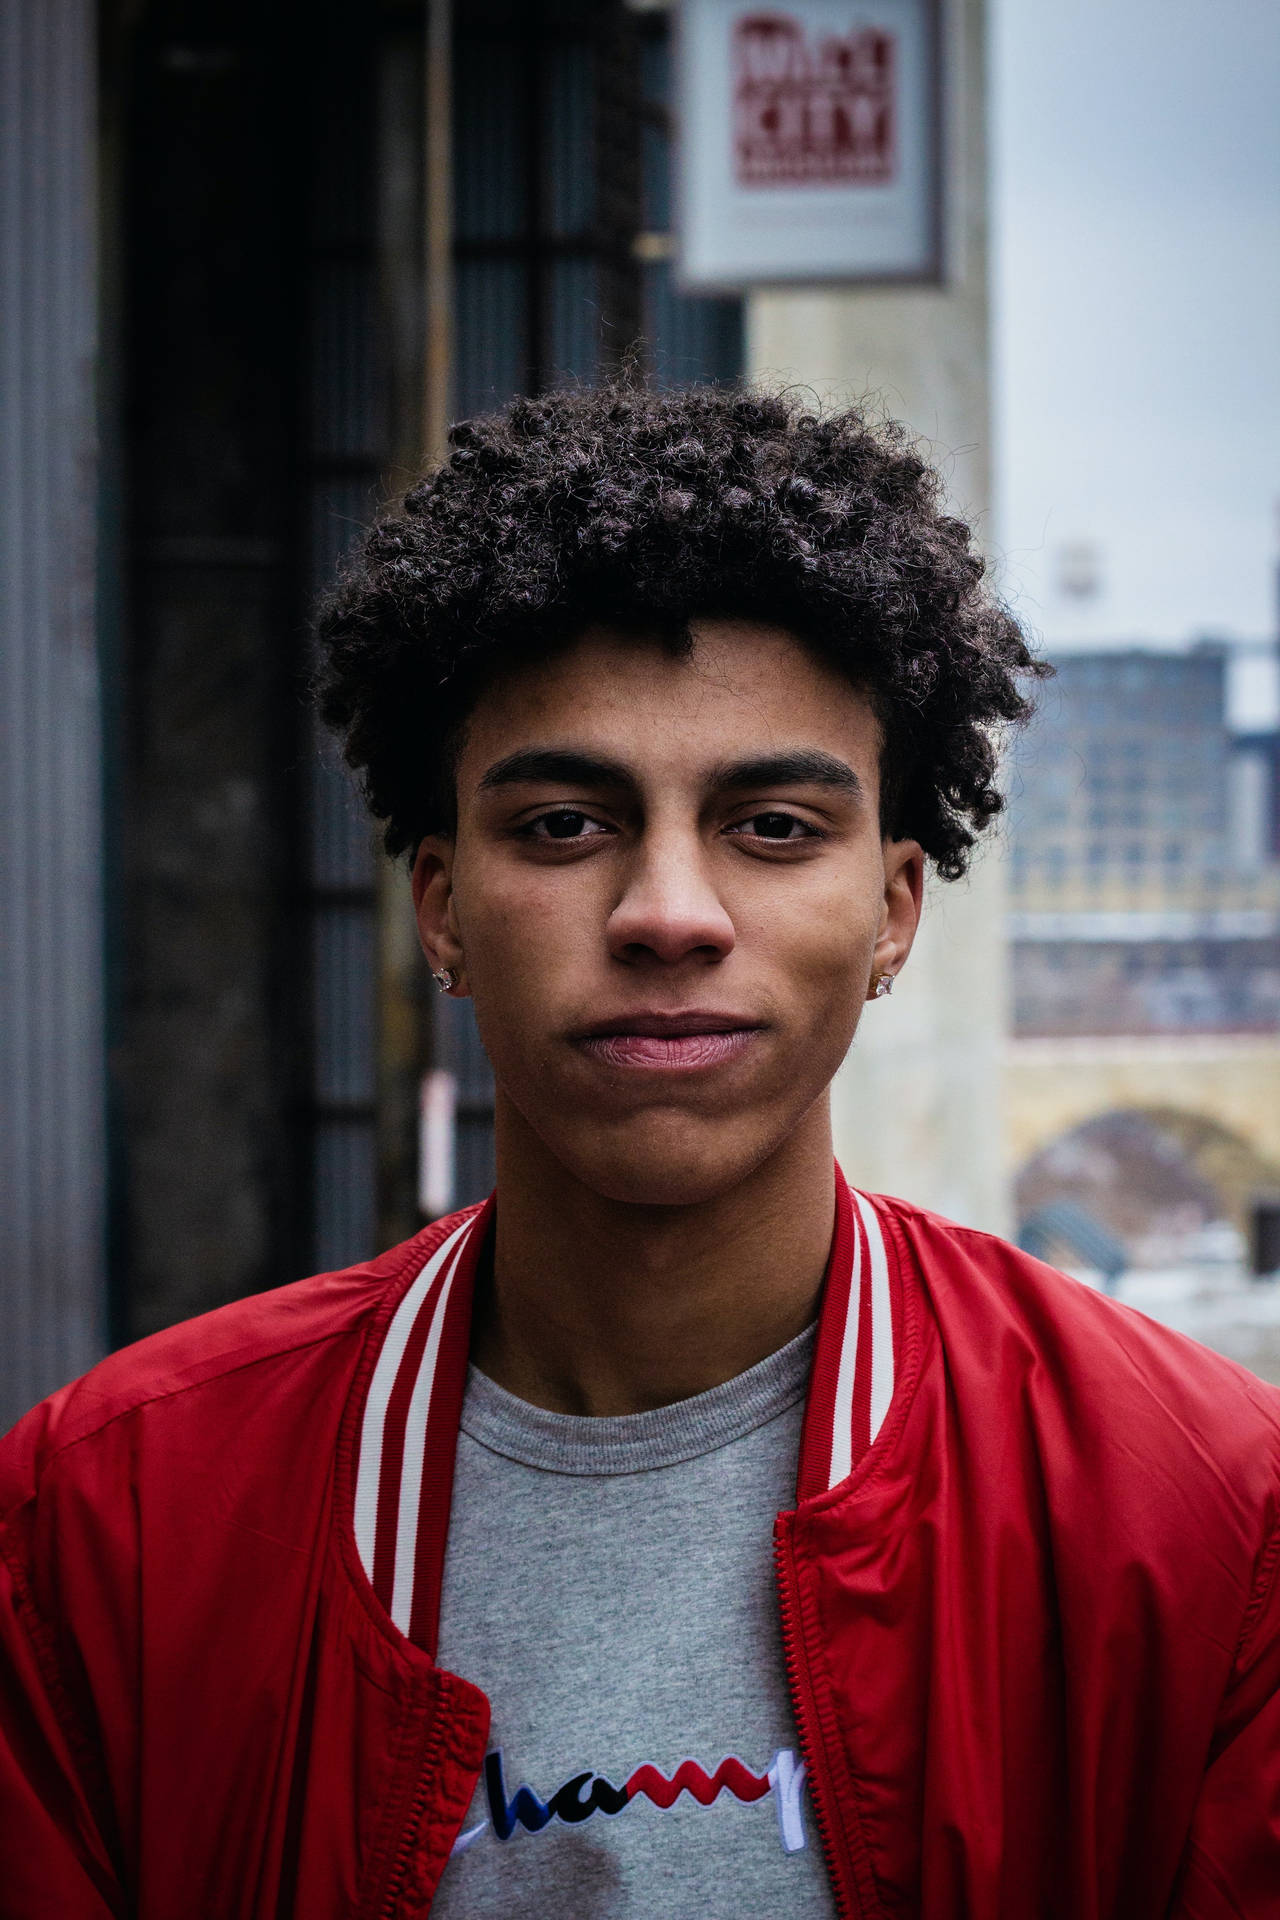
670	909
671	939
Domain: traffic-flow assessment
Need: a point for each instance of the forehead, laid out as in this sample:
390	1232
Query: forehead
745	688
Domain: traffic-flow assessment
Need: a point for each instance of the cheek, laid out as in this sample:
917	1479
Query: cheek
826	968
817	935
518	937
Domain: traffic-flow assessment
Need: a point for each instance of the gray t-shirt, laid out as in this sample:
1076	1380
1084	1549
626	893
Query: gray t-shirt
609	1584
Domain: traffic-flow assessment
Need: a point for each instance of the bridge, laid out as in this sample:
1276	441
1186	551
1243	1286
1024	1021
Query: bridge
1218	1094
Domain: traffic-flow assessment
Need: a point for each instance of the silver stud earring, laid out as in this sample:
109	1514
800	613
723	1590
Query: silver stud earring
445	978
883	986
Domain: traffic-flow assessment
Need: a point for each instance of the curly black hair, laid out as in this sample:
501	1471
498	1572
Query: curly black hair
646	510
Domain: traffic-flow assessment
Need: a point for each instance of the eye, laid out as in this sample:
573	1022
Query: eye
776	826
564	823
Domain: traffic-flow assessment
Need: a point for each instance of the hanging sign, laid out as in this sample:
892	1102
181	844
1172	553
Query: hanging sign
807	142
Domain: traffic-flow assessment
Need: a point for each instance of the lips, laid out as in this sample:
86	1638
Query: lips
687	1041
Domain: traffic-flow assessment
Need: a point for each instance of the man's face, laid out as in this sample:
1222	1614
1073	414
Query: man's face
667	894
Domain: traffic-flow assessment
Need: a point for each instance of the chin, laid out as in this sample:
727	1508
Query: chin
664	1166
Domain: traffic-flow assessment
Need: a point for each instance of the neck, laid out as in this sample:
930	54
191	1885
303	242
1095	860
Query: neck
597	1306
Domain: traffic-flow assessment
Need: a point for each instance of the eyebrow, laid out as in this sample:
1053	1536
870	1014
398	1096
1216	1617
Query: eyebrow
556	764
796	767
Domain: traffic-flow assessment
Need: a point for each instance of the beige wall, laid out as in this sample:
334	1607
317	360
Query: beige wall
918	1106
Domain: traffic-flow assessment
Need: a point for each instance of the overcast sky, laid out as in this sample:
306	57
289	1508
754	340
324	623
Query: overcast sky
1136	235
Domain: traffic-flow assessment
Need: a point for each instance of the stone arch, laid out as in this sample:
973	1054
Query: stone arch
1230	1163
1161	1181
1058	1083
1210	1090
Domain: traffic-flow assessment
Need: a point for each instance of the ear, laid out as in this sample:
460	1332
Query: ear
434	908
900	912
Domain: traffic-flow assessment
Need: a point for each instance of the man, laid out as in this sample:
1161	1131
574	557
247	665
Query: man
782	1549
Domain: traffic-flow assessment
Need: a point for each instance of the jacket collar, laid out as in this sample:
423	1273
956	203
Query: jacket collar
408	1431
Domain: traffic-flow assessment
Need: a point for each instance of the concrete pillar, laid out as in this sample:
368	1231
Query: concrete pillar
917	1106
52	1283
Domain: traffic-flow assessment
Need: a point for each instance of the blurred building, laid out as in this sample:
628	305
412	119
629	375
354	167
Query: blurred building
1144	866
256	256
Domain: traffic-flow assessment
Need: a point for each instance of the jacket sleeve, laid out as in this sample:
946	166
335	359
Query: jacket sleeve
1231	1866
53	1859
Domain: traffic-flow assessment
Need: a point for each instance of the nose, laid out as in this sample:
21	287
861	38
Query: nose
669	909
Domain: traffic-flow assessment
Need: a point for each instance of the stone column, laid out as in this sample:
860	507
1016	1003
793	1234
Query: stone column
52	1266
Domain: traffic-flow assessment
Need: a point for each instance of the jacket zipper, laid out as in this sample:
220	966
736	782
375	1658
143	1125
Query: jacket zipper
399	1865
798	1685
412	1825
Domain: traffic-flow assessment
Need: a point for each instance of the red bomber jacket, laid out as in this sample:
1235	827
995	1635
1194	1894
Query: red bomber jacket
1029	1599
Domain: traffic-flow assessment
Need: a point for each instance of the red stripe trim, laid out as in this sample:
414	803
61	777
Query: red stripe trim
441	1444
897	1298
861	1438
384	1539
815	1438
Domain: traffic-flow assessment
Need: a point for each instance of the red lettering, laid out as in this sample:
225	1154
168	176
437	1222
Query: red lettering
730	1776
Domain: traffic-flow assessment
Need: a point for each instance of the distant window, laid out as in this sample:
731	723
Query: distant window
562	217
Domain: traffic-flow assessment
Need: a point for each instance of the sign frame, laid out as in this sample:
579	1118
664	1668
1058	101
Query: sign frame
926	269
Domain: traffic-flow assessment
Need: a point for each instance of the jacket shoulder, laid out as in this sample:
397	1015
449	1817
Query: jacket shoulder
204	1361
1098	1359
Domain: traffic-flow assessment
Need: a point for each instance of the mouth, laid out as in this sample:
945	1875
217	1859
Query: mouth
669	1042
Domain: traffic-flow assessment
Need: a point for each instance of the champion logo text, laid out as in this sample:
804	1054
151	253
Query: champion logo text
587	1792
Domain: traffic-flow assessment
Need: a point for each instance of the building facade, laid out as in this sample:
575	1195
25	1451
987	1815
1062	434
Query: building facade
1144	873
288	243
1142	1080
